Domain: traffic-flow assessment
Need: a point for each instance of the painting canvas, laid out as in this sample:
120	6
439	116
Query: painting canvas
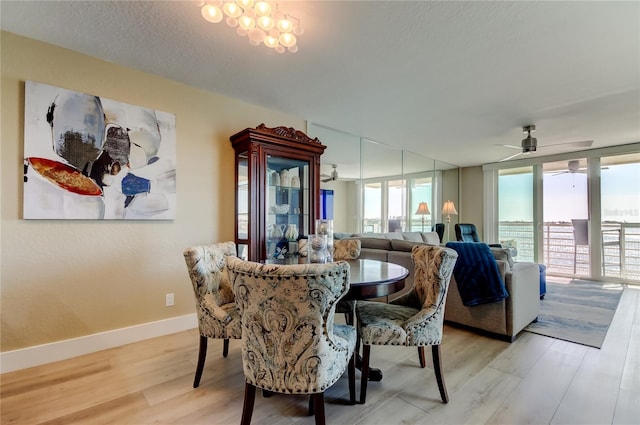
88	157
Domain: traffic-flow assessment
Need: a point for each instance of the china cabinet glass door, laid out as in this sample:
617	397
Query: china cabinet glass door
287	202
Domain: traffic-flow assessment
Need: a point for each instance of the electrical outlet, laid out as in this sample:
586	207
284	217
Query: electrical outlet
168	300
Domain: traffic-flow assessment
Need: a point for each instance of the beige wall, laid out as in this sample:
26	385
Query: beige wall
65	279
471	199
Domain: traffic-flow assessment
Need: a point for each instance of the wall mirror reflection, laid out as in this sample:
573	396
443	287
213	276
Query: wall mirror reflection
373	187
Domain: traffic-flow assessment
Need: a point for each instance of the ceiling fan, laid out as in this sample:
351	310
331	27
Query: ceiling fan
573	167
530	144
331	177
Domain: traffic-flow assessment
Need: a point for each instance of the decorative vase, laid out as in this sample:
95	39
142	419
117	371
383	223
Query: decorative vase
292	232
278	231
284	178
318	248
275	178
325	227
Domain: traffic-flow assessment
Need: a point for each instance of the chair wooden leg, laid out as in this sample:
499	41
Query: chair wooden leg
249	400
352	378
364	377
311	409
202	354
318	406
437	367
423	362
225	347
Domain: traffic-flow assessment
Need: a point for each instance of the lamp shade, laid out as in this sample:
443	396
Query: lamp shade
423	209
449	208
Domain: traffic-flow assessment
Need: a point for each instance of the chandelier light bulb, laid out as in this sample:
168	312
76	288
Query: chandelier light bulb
265	22
279	49
270	41
241	31
232	10
293	48
262	8
212	13
245	4
287	39
285	25
246	22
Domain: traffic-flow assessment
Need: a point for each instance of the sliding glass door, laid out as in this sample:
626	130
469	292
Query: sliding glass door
565	238
580	216
516	211
620	216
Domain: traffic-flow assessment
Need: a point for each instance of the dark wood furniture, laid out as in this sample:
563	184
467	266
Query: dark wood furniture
374	279
262	154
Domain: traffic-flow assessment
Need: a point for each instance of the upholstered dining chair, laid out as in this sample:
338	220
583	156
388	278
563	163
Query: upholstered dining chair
346	249
290	343
414	319
218	316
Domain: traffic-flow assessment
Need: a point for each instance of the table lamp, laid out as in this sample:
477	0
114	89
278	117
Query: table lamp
449	209
423	209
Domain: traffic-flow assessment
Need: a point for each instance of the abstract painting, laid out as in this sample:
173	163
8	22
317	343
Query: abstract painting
88	157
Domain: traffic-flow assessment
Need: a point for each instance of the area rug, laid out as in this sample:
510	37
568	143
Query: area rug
578	311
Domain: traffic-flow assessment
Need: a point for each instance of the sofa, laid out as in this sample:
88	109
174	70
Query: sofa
503	319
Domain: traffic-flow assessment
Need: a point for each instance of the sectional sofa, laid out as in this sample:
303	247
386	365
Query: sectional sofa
503	319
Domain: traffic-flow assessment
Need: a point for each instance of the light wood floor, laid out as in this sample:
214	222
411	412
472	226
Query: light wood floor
535	380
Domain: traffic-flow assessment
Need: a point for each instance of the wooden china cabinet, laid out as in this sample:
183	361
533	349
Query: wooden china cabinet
277	180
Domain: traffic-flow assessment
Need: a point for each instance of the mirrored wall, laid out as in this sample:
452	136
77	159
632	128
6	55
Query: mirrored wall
375	187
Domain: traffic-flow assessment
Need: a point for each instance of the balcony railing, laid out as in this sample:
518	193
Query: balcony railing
620	260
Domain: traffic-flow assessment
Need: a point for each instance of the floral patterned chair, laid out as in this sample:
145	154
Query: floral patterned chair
290	343
218	316
414	319
346	249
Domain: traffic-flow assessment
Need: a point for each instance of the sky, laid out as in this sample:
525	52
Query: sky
565	196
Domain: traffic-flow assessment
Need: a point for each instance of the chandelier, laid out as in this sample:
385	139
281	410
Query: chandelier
260	21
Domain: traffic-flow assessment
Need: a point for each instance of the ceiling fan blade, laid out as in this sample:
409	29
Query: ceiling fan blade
511	146
580	144
511	157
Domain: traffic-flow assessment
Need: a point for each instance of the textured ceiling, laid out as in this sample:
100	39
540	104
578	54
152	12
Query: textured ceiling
449	80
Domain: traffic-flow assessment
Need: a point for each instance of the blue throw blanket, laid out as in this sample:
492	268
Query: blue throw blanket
477	275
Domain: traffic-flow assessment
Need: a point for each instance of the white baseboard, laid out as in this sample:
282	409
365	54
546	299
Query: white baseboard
61	350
